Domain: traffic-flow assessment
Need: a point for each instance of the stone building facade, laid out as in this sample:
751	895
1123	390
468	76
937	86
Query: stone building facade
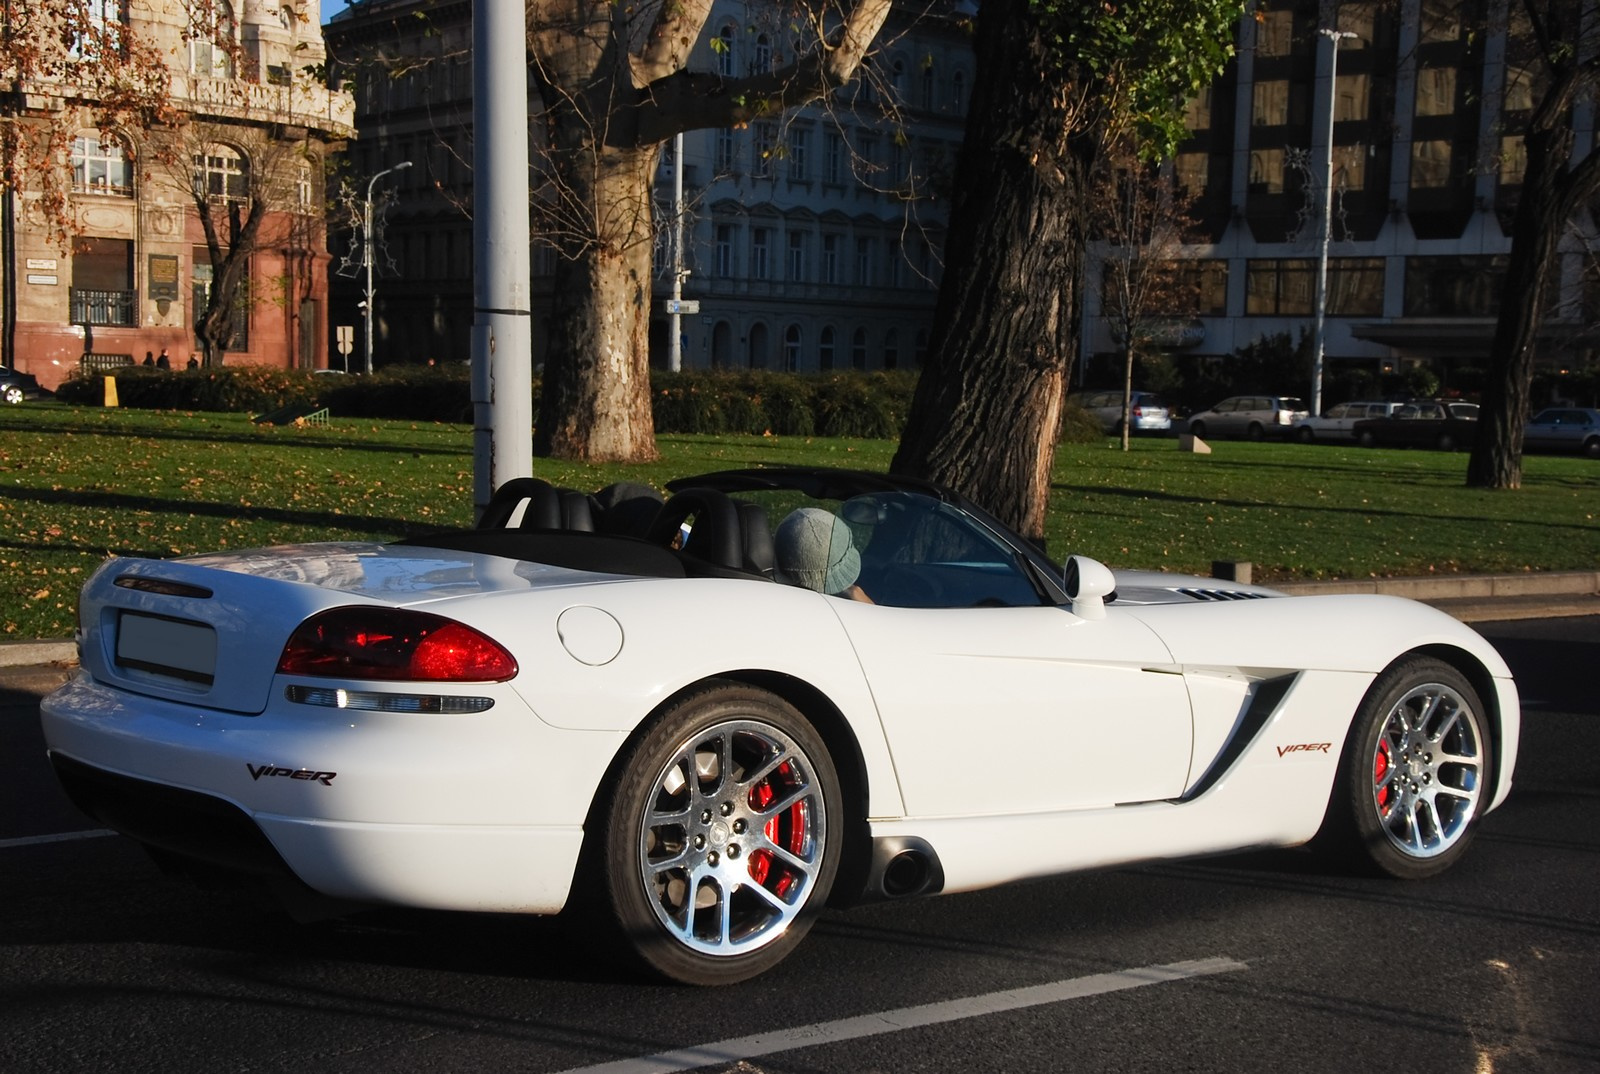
813	240
133	270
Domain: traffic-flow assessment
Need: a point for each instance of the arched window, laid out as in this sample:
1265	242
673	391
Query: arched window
958	92
791	348
763	56
100	166
724	51
927	85
825	348
858	348
220	172
213	38
758	346
891	349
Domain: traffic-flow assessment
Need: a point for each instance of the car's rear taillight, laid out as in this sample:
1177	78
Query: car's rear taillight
393	645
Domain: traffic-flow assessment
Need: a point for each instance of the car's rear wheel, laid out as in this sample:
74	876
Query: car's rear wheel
1415	774
13	394
1197	428
1366	439
722	840
1305	435
1255	431
1591	447
1446	442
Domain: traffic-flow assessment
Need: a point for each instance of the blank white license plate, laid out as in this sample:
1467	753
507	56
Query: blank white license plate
172	647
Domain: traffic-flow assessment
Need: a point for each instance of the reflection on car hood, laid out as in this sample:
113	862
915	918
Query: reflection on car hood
1159	587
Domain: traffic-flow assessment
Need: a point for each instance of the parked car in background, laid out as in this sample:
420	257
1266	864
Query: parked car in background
1425	423
1339	422
1252	416
1148	412
15	387
1564	428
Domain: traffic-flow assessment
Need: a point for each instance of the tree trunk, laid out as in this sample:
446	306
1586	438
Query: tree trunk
595	405
1542	210
986	416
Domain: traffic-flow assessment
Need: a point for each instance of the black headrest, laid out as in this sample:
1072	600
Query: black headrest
549	508
717	535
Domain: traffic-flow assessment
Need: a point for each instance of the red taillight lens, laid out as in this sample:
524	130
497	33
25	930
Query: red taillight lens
394	645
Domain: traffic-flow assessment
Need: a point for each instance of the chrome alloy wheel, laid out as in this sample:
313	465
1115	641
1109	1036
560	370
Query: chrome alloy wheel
732	837
1427	770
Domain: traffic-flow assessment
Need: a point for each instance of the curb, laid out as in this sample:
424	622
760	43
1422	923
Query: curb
1471	598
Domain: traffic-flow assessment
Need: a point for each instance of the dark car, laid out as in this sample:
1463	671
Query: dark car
1564	428
1425	423
15	387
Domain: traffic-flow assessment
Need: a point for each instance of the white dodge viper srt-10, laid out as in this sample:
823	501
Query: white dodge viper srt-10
693	721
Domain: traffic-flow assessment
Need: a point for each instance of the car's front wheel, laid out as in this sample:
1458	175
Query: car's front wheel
722	838
13	393
1415	774
1197	428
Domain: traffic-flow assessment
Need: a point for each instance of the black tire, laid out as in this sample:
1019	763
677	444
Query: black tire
694	808
1255	431
1305	435
1415	775
1197	428
1591	448
13	394
1446	442
1366	439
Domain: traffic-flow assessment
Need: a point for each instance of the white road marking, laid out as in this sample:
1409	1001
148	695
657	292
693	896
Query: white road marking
64	837
870	1025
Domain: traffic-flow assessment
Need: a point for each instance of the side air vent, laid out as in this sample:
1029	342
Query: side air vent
1220	594
163	586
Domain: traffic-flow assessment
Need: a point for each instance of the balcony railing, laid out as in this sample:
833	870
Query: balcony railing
114	309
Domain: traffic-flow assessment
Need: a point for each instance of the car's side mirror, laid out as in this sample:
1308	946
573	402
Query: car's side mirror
1088	583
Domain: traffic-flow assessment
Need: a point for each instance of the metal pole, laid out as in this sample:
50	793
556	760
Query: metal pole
502	317
1325	219
675	319
369	251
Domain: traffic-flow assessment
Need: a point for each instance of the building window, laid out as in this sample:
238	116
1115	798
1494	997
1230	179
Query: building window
1349	167
799	154
891	349
727	152
203	277
791	348
763	55
864	262
920	353
1270	103
958	92
830	259
896	262
1458	286
102	36
220	172
724	254
928	84
1441	21
102	290
867	159
1192	171
832	158
765	139
1279	287
858	348
1355	287
1197	111
304	189
759	239
1266	171
797	256
1436	91
1350	100
100	166
825	348
724	50
213	38
1430	164
1274	32
1513	160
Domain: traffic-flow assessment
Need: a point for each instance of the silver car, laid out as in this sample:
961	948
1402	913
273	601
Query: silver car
1148	412
1565	428
1253	416
1339	421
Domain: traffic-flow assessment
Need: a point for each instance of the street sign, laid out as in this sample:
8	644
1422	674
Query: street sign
347	338
683	305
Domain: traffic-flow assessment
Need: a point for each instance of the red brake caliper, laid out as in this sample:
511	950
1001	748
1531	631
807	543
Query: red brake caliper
1380	768
792	840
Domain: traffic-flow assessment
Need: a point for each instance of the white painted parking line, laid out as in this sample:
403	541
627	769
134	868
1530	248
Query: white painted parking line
871	1025
63	837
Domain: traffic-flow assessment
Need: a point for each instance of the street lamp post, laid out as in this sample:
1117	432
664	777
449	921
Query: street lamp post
1318	342
369	250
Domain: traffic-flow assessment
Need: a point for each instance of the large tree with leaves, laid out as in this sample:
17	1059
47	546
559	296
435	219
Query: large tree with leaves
1554	46
1056	80
615	84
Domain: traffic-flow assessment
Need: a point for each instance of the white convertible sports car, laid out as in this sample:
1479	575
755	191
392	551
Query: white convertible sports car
701	720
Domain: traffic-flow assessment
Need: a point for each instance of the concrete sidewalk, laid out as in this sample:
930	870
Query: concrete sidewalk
1471	598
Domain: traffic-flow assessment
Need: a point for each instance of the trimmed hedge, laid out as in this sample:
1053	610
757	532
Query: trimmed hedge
837	404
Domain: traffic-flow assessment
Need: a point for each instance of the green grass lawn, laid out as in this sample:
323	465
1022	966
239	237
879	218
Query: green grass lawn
78	485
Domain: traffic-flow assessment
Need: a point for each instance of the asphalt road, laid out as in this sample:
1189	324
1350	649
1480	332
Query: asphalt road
1274	963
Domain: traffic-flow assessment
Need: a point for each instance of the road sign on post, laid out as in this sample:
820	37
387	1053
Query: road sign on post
683	305
346	334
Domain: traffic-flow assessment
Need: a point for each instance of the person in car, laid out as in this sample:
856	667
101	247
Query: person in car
814	550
